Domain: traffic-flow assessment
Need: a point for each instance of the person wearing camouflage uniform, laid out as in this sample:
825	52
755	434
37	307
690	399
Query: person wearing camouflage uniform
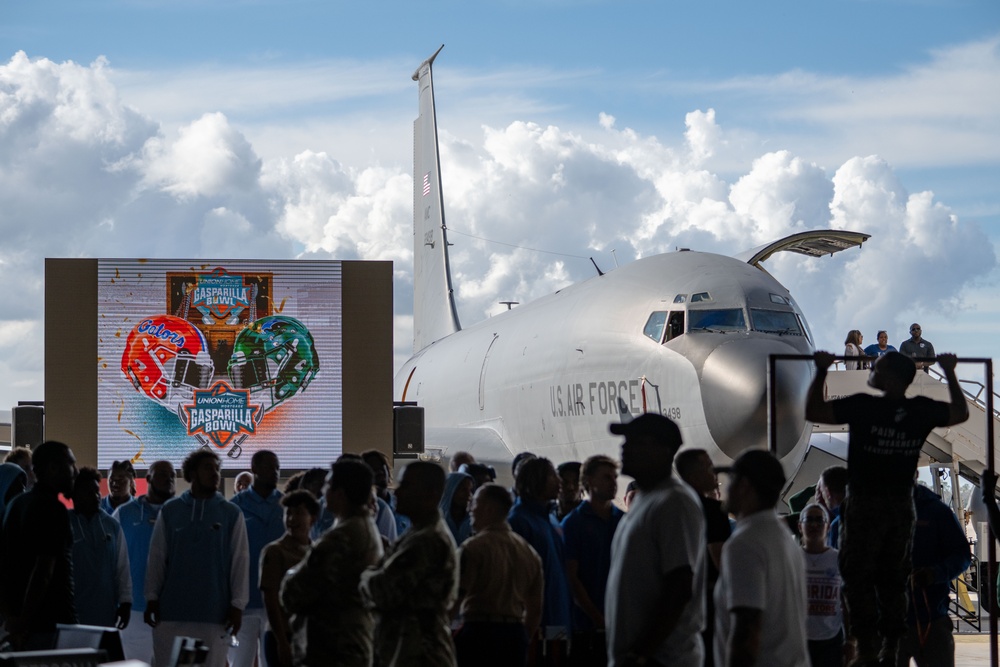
413	589
330	624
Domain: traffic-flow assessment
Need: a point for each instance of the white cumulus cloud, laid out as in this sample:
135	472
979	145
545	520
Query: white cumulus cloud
84	174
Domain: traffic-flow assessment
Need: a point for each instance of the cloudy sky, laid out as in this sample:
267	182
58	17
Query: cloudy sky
581	128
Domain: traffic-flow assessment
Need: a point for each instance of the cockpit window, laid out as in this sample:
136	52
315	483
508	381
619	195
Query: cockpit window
777	298
775	321
700	296
654	325
680	298
725	319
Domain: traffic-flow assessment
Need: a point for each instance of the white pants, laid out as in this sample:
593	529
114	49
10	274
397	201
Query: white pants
213	635
137	639
251	638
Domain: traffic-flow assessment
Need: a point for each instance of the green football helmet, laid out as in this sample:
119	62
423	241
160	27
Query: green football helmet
275	358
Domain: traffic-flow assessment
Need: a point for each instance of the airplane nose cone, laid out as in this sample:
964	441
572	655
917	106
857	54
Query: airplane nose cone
734	392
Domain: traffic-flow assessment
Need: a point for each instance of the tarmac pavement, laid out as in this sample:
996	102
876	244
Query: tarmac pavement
972	650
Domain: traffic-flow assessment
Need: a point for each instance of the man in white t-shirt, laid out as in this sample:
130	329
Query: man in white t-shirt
654	605
760	599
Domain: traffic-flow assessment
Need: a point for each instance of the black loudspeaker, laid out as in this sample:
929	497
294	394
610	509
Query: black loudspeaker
407	430
27	426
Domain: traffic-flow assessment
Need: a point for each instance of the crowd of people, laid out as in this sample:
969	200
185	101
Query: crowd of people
447	567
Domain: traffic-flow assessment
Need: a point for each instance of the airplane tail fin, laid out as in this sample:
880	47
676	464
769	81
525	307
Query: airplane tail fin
434	312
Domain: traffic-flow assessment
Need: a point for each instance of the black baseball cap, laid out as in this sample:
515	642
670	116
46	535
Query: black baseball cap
651	425
762	469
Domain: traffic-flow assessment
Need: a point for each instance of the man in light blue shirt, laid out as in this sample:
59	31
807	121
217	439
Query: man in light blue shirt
137	519
197	577
264	516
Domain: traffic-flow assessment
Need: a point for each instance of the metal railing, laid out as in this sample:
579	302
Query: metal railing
972	579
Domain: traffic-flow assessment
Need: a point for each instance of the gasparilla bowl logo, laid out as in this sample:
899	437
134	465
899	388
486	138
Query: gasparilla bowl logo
220	296
222	413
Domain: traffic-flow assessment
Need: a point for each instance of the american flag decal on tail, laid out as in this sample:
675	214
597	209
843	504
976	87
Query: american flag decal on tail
427	183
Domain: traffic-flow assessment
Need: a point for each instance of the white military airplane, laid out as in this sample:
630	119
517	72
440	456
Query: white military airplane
686	334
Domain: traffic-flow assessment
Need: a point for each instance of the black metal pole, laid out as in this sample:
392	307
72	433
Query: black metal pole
992	547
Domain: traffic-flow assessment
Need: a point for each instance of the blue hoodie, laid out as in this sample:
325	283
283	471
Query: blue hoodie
9	473
940	544
532	520
137	518
461	531
265	519
199	559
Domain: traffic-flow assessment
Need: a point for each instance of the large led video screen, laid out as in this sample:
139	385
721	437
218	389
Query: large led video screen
232	355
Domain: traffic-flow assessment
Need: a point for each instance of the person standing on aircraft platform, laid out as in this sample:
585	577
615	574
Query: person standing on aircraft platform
695	467
37	546
500	587
881	347
264	516
102	585
587	534
852	348
537	486
137	519
760	600
413	588
885	438
918	348
655	599
197	575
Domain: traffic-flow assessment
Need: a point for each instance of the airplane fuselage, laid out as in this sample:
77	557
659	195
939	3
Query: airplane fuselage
685	334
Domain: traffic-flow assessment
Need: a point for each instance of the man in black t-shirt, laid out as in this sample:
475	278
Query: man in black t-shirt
876	535
696	469
36	552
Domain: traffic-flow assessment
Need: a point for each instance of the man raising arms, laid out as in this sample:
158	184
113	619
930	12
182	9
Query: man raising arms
877	517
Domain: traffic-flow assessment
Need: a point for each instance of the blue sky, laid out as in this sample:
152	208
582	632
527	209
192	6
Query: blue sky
633	126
